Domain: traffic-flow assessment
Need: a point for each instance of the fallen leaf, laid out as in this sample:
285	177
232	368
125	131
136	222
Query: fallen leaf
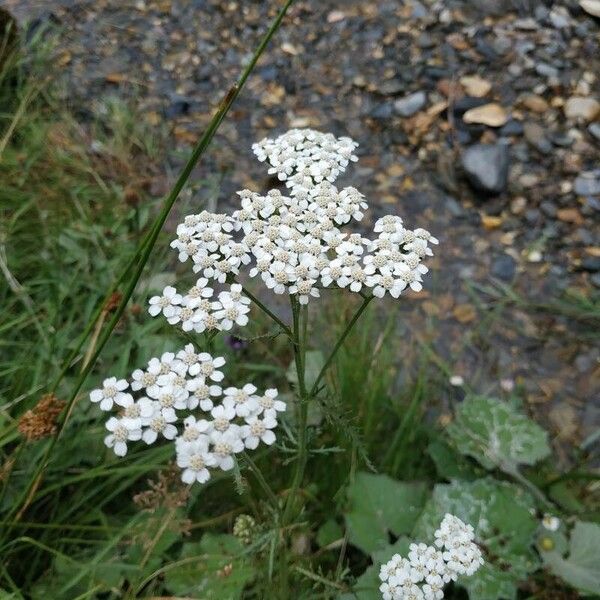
491	114
115	78
476	86
464	313
490	222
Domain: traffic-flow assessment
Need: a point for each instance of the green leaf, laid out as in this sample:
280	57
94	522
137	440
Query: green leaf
329	532
366	586
581	568
213	569
496	435
450	464
380	506
504	526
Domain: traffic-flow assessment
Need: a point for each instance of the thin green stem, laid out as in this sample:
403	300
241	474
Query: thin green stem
148	245
338	345
299	329
268	312
261	480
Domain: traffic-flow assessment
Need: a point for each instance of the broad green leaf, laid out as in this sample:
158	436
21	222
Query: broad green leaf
581	568
450	464
213	569
496	435
504	526
380	506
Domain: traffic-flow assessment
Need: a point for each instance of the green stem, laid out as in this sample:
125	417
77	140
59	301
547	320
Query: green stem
261	480
268	312
299	330
148	245
338	344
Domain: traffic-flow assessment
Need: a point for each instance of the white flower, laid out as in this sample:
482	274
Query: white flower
166	303
224	446
134	411
120	435
198	293
257	430
194	458
387	284
201	394
171	397
223	416
305	289
112	392
241	400
189	358
160	420
269	405
209	366
142	379
233	312
550	522
427	570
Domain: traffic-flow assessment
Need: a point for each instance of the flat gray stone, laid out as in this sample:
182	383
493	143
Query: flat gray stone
486	167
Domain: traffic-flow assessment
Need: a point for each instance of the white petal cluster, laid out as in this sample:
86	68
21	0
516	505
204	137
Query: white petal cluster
198	311
304	156
427	569
182	387
293	243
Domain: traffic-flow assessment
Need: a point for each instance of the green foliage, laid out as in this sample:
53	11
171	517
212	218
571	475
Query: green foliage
214	568
496	435
380	506
501	515
581	566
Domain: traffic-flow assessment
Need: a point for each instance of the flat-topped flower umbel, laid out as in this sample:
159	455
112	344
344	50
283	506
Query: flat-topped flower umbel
293	243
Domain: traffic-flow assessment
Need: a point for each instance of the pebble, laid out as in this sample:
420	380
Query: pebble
409	105
512	127
546	70
594	129
486	167
491	114
591	7
536	136
580	107
588	184
504	267
535	103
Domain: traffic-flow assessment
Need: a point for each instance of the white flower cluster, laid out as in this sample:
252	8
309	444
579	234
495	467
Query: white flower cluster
294	241
171	387
423	575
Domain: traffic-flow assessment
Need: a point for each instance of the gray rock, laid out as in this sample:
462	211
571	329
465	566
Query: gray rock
504	267
409	105
591	263
536	136
594	129
595	279
486	167
546	70
588	184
